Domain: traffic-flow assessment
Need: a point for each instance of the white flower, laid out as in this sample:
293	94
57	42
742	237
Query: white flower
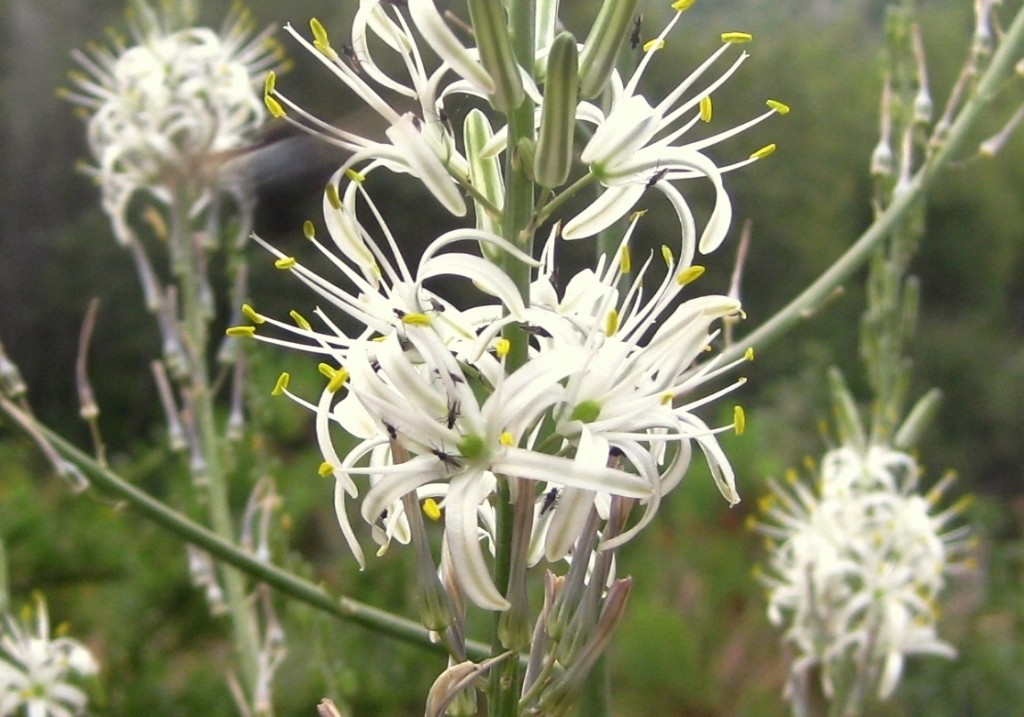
858	565
166	108
636	145
37	672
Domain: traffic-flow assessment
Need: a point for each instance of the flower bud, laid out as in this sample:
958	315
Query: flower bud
495	46
484	172
603	44
553	158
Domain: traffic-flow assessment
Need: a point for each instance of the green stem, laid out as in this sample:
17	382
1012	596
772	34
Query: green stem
147	506
814	296
195	325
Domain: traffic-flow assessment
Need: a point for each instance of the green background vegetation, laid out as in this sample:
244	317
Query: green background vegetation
695	641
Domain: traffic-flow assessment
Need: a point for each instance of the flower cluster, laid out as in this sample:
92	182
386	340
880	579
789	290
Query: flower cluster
165	105
857	565
37	672
574	392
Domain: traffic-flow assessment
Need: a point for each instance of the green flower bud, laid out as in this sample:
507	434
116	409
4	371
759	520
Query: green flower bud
602	47
553	158
492	36
484	172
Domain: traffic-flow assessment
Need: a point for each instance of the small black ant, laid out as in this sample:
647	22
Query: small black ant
392	431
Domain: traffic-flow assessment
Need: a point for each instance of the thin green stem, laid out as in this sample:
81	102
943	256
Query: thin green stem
815	295
147	506
214	479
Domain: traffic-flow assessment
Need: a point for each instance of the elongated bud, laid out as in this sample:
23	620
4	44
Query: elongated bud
484	172
601	49
553	158
847	417
917	421
495	46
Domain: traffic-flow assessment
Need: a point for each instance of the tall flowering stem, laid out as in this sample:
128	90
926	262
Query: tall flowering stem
167	114
859	558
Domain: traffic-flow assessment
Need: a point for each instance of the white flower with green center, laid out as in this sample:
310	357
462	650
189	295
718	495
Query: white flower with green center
37	672
171	106
857	566
420	143
636	145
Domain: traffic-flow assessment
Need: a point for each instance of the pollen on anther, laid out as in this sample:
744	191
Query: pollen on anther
652	45
689	274
309	230
781	107
338	380
332	196
239	332
431	509
765	151
748	355
739	420
282	384
326	470
506	439
250	313
736	37
502	347
299	320
355	176
682	5
274	107
285	262
705	108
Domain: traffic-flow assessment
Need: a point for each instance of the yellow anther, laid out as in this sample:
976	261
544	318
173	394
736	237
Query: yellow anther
781	107
285	262
309	230
241	332
326	370
326	470
739	420
666	398
281	385
748	355
270	83
355	176
667	255
502	347
431	509
736	38
320	39
682	5
689	274
625	260
611	322
274	107
764	151
299	320
809	463
705	108
250	313
338	380
652	45
791	476
506	439
635	216
415	319
332	196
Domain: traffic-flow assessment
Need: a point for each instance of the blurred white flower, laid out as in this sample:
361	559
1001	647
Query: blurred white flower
37	672
170	104
856	567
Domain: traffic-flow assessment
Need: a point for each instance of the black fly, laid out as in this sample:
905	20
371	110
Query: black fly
453	412
634	36
550	500
448	459
657	177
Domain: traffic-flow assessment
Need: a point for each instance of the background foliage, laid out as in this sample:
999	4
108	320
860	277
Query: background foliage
695	641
